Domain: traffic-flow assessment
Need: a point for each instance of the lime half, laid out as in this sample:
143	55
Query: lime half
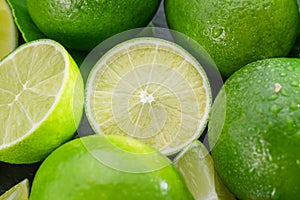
149	89
18	192
41	100
197	167
8	30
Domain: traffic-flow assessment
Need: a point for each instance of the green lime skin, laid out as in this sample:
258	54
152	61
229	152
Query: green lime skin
254	132
237	32
82	25
72	172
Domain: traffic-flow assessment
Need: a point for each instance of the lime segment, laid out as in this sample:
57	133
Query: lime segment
197	167
38	112
18	192
149	89
8	30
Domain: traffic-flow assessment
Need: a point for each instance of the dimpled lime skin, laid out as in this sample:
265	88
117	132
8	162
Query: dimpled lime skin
256	152
84	24
71	172
237	32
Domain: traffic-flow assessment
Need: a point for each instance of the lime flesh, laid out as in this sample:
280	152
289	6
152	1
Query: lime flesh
8	30
149	89
197	167
18	192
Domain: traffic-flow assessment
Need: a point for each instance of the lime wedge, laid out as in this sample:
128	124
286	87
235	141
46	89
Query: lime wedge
197	167
38	109
8	30
17	192
149	89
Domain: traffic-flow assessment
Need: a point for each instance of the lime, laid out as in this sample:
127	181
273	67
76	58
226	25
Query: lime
23	21
237	32
197	167
149	89
254	130
8	30
41	100
82	25
74	172
18	192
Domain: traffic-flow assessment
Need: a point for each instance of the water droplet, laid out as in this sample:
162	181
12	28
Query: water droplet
216	33
275	108
295	84
273	192
283	74
257	91
298	162
273	97
294	106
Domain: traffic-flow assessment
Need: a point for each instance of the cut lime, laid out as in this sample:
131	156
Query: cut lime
149	89
197	167
8	30
18	192
41	100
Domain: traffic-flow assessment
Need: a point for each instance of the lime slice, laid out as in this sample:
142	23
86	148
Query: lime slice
8	30
149	89
18	192
197	167
37	110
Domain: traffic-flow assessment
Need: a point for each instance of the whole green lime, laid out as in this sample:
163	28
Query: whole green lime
84	24
254	132
112	167
237	32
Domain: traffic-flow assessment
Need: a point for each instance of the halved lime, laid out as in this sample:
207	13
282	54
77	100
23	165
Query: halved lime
149	89
41	100
197	167
8	30
18	192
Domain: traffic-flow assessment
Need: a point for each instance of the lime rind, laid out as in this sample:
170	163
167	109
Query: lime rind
126	47
18	192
